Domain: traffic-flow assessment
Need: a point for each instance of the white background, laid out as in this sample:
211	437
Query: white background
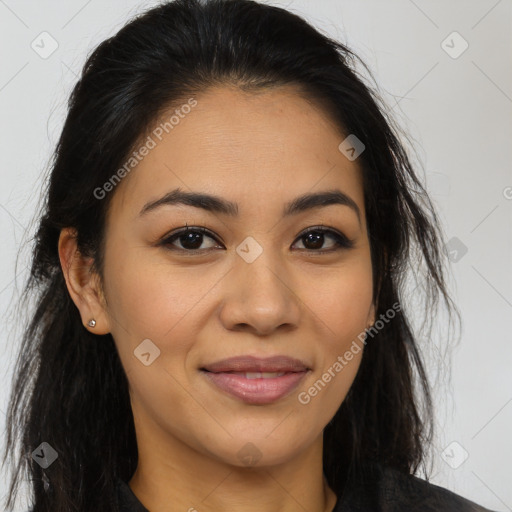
458	112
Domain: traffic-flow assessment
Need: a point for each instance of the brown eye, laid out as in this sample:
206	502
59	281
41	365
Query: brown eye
314	238
189	238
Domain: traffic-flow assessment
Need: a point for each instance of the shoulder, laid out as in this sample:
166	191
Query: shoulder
400	491
385	489
127	500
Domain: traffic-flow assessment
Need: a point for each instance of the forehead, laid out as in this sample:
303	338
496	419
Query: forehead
262	147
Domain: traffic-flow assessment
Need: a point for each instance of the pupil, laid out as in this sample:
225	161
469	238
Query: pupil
317	239
189	239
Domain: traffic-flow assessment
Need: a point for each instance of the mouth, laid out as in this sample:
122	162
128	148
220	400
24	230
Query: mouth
256	388
256	375
252	364
256	381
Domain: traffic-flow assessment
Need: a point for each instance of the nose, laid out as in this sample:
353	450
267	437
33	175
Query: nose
259	299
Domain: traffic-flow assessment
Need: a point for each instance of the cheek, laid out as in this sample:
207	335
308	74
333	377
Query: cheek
341	300
151	300
152	297
341	305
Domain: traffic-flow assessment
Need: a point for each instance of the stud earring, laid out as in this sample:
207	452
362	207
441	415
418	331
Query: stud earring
91	322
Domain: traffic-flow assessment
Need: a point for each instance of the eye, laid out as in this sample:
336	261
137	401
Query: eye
190	238
314	238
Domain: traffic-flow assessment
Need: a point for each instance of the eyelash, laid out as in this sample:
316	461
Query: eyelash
341	240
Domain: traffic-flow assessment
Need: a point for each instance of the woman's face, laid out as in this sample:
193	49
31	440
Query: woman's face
255	285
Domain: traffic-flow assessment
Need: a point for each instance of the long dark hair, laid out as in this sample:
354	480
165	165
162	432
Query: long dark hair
70	389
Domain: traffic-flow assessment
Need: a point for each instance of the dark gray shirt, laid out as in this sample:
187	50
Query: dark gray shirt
384	490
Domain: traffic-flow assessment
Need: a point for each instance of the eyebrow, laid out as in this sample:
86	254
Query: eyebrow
217	204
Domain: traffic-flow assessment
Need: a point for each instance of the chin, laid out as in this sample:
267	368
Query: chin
259	452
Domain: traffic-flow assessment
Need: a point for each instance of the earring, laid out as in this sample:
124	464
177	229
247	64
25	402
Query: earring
91	322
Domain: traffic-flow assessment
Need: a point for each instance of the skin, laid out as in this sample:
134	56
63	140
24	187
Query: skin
260	150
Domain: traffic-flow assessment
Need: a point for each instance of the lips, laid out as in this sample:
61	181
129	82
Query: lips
254	380
251	364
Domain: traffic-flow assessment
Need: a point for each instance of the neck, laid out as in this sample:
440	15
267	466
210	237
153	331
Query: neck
180	478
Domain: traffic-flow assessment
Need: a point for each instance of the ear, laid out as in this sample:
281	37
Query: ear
83	284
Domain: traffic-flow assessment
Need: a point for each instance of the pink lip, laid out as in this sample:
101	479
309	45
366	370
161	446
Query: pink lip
257	364
257	391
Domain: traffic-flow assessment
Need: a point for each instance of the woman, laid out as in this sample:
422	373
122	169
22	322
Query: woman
220	268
